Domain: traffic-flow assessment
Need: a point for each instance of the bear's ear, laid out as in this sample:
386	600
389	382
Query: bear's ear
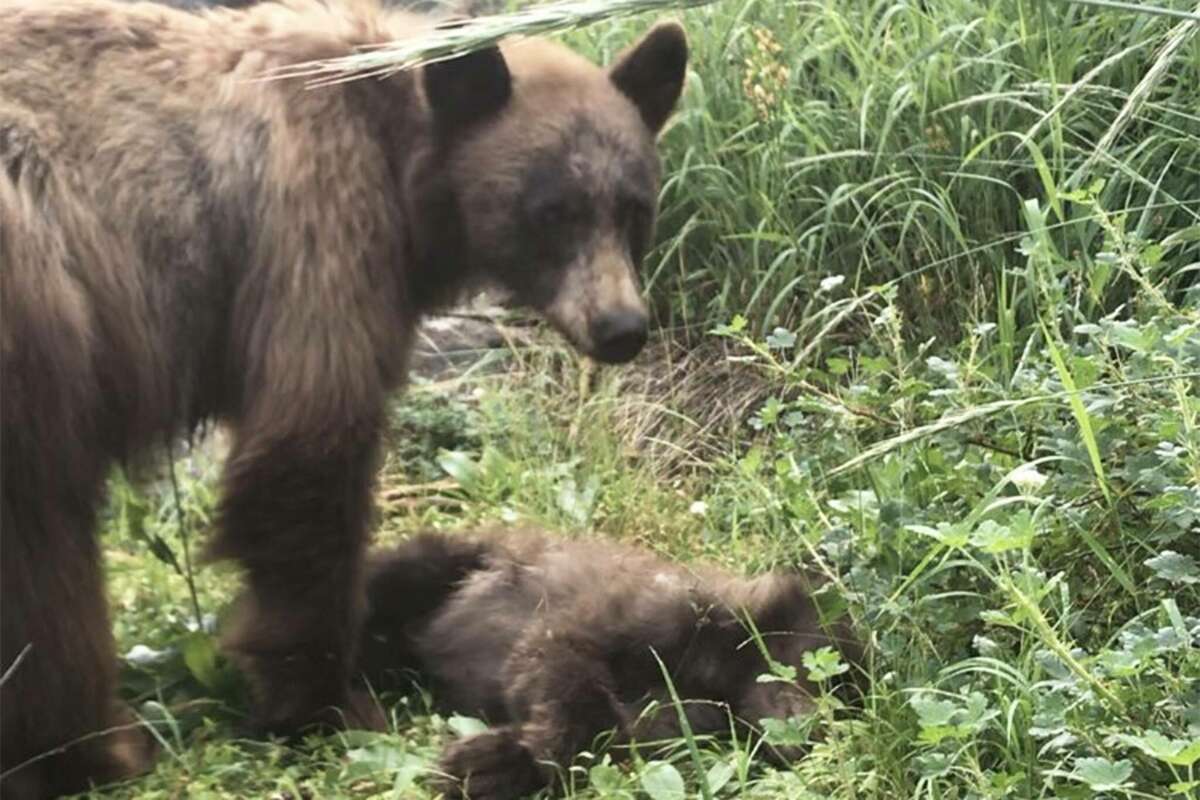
466	90
651	73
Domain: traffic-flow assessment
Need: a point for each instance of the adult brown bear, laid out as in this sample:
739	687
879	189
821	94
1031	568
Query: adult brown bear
556	640
181	241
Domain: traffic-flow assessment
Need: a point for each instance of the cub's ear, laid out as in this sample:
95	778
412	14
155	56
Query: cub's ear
651	73
466	90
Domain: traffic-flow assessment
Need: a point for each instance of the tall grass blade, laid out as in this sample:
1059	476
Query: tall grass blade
1082	418
686	727
1140	8
469	35
957	418
1178	37
947	422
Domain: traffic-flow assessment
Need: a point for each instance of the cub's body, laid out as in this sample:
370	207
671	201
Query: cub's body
555	640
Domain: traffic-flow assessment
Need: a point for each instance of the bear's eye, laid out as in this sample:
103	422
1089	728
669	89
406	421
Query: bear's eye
631	212
557	213
633	220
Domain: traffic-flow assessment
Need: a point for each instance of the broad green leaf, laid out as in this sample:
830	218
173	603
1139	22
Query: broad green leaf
1174	567
837	366
459	465
662	781
1101	774
934	765
991	537
781	339
792	732
407	774
977	712
385	757
200	656
735	326
936	734
1120	663
1180	752
466	726
823	664
718	775
605	778
780	673
933	713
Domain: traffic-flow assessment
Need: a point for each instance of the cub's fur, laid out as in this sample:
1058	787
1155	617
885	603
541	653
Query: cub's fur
180	240
554	640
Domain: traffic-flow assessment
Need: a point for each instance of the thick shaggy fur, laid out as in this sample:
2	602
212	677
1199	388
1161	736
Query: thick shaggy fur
181	241
553	640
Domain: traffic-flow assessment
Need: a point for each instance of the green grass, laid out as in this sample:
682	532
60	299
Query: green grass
903	144
988	431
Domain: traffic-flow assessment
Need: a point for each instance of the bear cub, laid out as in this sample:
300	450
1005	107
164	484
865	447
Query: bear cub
554	640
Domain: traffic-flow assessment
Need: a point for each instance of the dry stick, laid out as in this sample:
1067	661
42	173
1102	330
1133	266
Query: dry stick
986	444
414	495
420	489
189	576
62	748
12	668
412	503
587	369
858	411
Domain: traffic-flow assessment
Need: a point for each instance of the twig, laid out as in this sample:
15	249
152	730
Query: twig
12	668
420	489
189	576
857	411
979	441
410	503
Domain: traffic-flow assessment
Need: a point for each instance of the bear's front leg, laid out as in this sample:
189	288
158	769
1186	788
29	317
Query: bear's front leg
560	695
296	515
494	765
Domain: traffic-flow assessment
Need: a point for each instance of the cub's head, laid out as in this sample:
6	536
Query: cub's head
785	613
548	177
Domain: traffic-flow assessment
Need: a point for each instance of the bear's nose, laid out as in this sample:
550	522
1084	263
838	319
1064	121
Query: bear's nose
619	335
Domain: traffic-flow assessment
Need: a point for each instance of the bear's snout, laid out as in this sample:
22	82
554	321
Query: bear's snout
619	335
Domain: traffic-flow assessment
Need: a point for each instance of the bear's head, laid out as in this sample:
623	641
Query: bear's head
544	178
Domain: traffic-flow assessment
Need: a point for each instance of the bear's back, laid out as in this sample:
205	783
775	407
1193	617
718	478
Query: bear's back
151	130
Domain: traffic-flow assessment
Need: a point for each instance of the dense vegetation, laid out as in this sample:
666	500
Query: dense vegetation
928	291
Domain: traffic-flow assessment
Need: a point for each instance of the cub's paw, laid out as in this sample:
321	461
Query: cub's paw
489	766
130	750
123	750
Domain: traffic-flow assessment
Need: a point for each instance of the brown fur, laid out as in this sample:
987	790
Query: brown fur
553	640
179	241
